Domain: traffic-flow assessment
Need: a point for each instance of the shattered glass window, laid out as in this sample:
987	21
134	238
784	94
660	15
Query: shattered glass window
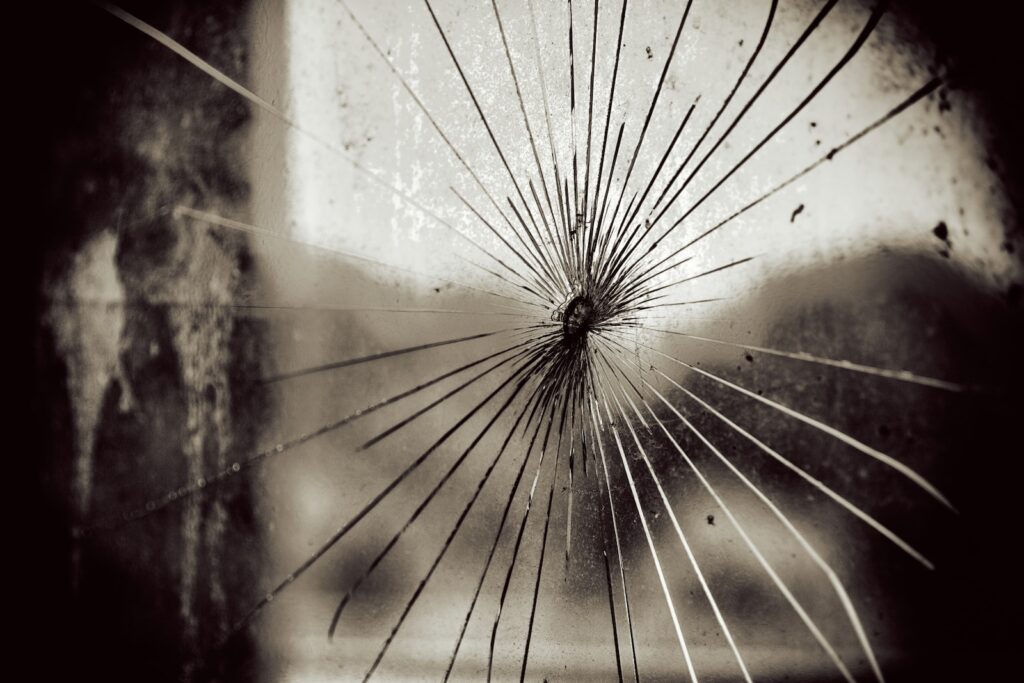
562	341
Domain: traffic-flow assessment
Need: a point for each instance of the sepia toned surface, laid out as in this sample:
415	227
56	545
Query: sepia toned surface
240	236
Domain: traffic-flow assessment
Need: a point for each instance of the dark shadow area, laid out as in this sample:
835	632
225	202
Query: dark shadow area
123	131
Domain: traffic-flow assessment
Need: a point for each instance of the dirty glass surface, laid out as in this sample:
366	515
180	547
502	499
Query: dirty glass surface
593	340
